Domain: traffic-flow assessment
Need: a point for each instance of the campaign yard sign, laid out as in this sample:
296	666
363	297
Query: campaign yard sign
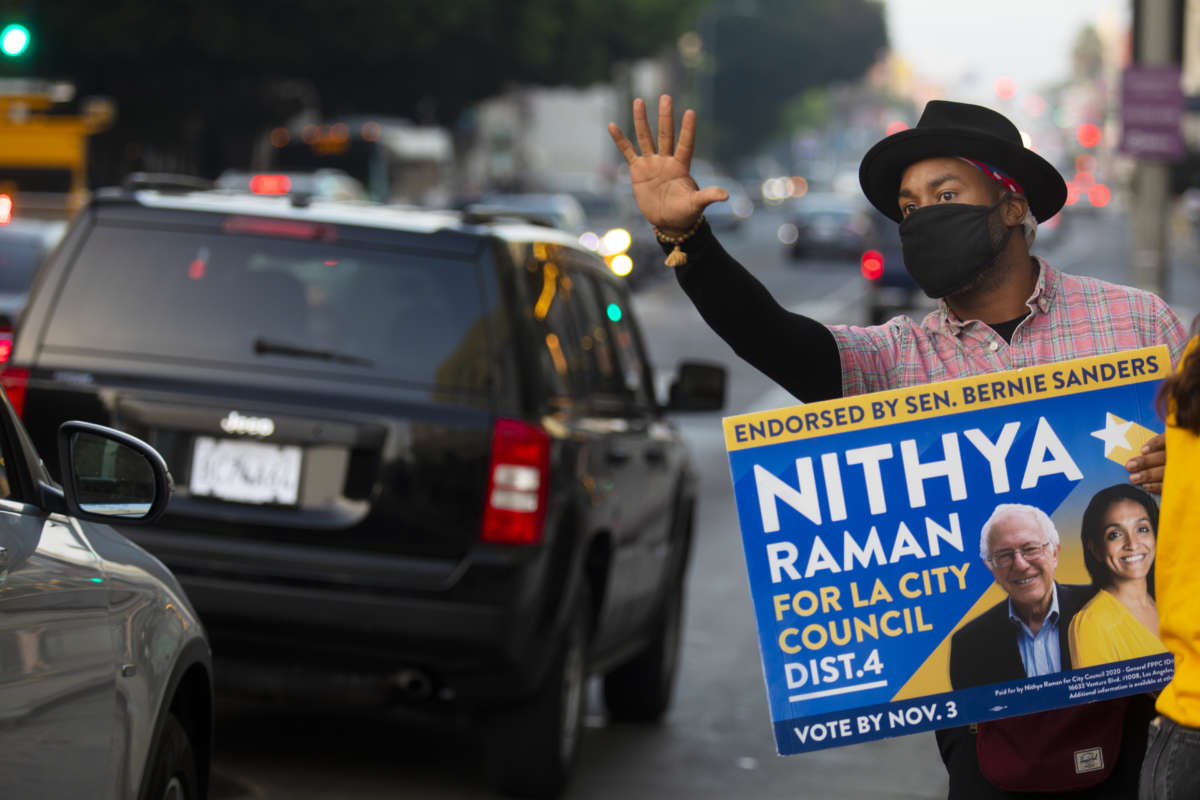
878	614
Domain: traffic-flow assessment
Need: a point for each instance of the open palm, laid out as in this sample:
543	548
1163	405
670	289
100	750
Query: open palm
663	187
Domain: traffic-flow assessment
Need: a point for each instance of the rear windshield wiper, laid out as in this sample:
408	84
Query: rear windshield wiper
268	346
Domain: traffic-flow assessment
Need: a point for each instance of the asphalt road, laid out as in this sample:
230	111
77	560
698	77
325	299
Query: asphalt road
716	742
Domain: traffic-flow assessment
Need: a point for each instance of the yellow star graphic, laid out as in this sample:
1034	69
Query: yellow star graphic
1123	439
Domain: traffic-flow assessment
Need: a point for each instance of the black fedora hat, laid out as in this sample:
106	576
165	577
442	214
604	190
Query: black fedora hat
960	129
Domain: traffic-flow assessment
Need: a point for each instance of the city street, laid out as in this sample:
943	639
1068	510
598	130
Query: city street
359	443
716	742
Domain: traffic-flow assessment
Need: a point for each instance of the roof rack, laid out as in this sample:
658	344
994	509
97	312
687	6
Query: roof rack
165	182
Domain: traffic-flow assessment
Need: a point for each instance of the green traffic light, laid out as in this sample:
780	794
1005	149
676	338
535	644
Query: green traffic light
14	39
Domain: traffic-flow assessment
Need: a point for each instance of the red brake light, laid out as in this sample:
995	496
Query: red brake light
292	229
6	346
872	265
270	184
516	494
15	380
6	209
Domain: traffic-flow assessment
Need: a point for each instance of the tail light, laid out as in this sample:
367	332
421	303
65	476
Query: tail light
6	344
15	379
517	479
872	265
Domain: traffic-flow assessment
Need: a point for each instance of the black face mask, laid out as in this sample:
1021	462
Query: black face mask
947	245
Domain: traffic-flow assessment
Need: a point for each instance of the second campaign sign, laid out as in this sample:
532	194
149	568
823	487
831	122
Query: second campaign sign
951	553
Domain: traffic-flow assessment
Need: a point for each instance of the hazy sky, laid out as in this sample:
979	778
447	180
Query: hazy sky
1028	40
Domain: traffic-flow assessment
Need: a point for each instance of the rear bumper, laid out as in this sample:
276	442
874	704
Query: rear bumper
280	625
289	641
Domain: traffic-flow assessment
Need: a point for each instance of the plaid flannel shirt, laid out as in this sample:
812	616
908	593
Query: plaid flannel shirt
1069	317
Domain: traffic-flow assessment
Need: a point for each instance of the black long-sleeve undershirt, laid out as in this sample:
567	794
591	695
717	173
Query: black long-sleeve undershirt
798	353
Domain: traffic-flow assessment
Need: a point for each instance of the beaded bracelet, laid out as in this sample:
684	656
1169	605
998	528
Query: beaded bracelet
677	258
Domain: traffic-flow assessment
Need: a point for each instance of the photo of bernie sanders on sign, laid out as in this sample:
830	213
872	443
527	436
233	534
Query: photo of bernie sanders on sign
952	553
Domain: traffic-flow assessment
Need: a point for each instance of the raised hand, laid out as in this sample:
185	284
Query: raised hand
663	187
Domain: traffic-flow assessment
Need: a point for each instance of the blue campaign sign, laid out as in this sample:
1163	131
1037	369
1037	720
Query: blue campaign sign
917	557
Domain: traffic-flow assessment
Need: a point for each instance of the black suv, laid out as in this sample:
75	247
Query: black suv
418	455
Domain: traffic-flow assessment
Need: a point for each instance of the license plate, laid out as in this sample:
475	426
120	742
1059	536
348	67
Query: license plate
245	472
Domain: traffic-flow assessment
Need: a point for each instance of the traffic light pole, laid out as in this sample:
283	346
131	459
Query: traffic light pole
1151	179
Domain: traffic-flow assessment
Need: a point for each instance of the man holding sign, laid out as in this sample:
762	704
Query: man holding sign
968	196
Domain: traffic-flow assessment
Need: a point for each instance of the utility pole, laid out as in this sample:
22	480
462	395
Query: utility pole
1151	181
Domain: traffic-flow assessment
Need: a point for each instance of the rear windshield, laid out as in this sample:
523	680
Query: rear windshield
260	301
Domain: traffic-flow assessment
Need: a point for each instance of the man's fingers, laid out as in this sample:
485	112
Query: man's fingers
1150	480
1150	461
666	126
642	127
623	144
711	194
1148	475
687	139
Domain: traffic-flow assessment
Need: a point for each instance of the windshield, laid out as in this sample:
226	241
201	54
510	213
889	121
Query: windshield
267	302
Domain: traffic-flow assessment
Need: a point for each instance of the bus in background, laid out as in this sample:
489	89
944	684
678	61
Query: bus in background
44	132
397	161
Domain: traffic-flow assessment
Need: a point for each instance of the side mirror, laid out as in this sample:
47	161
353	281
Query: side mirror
110	476
698	387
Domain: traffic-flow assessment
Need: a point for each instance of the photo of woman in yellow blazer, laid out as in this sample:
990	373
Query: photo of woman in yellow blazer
1119	533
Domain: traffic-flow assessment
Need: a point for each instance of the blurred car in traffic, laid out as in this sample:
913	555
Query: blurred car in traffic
825	224
421	461
617	232
324	183
558	210
728	215
105	672
24	244
890	288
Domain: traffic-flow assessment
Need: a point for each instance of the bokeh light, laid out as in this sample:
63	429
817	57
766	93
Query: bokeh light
1099	195
872	265
615	241
1088	134
621	265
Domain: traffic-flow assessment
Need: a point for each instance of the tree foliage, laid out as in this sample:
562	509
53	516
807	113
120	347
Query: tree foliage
768	53
204	70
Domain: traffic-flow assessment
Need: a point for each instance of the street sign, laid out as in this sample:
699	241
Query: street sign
882	534
1151	112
